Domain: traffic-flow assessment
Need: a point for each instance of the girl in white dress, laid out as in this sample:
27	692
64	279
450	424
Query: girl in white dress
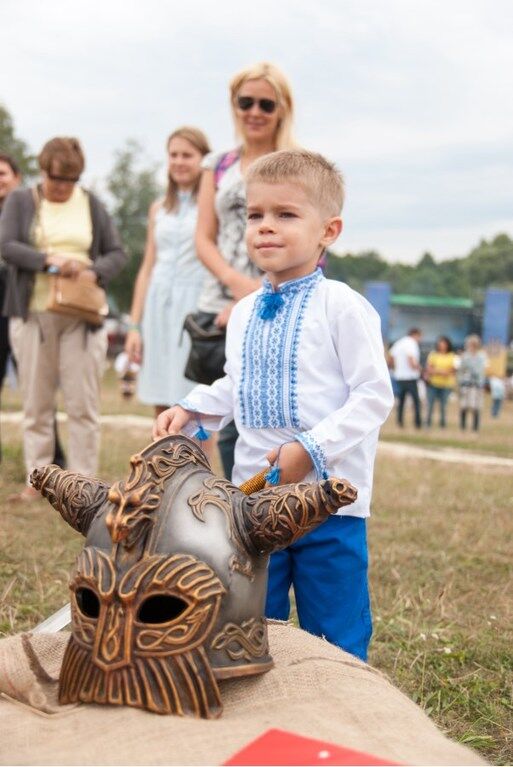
170	278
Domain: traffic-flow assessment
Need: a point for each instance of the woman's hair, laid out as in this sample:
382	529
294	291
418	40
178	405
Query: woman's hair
281	87
197	138
11	162
472	340
447	341
65	153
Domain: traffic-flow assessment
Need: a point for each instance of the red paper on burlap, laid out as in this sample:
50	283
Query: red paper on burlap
279	747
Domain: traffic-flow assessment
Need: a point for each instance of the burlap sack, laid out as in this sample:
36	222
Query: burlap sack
315	690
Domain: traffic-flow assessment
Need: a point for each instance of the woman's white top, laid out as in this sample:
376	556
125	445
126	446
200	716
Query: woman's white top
315	373
230	208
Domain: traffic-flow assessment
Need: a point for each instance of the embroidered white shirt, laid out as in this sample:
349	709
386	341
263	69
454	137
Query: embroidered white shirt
315	372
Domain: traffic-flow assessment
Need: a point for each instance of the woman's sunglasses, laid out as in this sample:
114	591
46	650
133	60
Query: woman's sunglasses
265	105
63	179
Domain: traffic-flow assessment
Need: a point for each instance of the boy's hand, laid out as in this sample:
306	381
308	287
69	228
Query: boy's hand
171	421
294	462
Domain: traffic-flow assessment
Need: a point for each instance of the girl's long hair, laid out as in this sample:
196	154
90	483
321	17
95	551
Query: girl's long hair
279	83
197	138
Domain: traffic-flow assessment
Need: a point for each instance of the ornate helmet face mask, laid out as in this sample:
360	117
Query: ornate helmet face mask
167	596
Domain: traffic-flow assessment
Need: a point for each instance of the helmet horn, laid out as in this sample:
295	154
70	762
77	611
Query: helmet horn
77	498
274	518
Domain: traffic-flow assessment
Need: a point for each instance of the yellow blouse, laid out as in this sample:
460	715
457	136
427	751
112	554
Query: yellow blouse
61	228
444	364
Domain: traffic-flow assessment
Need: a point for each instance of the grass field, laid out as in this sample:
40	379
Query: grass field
441	541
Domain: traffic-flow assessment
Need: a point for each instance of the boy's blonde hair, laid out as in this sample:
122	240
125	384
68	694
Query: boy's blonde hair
279	83
320	179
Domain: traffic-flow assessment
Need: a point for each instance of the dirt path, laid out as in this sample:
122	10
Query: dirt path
445	454
395	449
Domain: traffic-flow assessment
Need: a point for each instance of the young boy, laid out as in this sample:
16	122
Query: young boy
308	386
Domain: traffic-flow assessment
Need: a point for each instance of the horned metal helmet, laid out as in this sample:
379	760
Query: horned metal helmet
167	596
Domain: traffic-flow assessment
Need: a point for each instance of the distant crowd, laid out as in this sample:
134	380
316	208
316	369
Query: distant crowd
445	372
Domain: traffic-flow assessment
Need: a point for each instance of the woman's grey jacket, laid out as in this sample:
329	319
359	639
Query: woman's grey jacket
23	260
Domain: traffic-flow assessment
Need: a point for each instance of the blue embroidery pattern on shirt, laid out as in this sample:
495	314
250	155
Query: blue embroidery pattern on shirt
268	386
315	452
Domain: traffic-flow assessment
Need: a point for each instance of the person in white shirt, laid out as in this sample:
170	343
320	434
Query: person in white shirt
307	384
405	354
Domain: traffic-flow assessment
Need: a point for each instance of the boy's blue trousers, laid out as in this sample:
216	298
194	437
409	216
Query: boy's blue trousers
328	569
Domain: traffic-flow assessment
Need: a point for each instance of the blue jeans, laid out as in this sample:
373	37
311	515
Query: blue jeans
328	570
496	407
440	393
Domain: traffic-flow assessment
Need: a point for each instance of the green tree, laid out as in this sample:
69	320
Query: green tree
133	188
357	269
15	147
491	263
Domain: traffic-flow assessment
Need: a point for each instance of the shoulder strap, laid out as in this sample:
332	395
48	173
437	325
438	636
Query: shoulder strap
225	161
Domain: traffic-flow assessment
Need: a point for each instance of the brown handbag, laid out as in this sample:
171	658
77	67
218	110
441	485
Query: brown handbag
75	298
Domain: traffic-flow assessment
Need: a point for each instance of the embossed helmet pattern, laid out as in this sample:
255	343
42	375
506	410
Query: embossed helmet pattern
168	594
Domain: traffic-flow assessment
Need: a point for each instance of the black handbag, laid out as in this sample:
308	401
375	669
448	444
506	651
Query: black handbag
207	357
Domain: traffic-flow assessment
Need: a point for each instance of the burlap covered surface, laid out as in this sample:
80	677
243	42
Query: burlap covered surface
315	690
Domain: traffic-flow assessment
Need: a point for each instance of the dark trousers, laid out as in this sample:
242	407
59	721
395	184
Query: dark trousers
475	418
408	388
4	354
226	446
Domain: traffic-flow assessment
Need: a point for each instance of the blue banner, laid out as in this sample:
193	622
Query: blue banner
497	309
378	294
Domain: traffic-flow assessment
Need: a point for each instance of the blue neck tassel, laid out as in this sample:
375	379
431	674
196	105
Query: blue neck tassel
202	434
270	305
273	475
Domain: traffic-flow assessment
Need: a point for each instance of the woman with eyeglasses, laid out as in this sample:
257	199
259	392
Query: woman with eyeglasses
57	227
262	109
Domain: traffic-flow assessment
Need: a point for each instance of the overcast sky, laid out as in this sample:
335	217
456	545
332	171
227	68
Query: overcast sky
412	99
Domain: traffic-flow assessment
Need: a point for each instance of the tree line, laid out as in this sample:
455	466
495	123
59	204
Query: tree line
132	184
488	264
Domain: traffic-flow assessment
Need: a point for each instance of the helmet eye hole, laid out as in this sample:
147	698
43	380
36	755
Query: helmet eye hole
88	602
161	608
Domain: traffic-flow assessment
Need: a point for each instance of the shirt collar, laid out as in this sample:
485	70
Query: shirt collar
294	286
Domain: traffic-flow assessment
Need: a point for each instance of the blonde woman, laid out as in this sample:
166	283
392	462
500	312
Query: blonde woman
262	110
170	277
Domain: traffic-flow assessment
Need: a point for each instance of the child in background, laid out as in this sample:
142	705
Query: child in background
498	393
307	383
